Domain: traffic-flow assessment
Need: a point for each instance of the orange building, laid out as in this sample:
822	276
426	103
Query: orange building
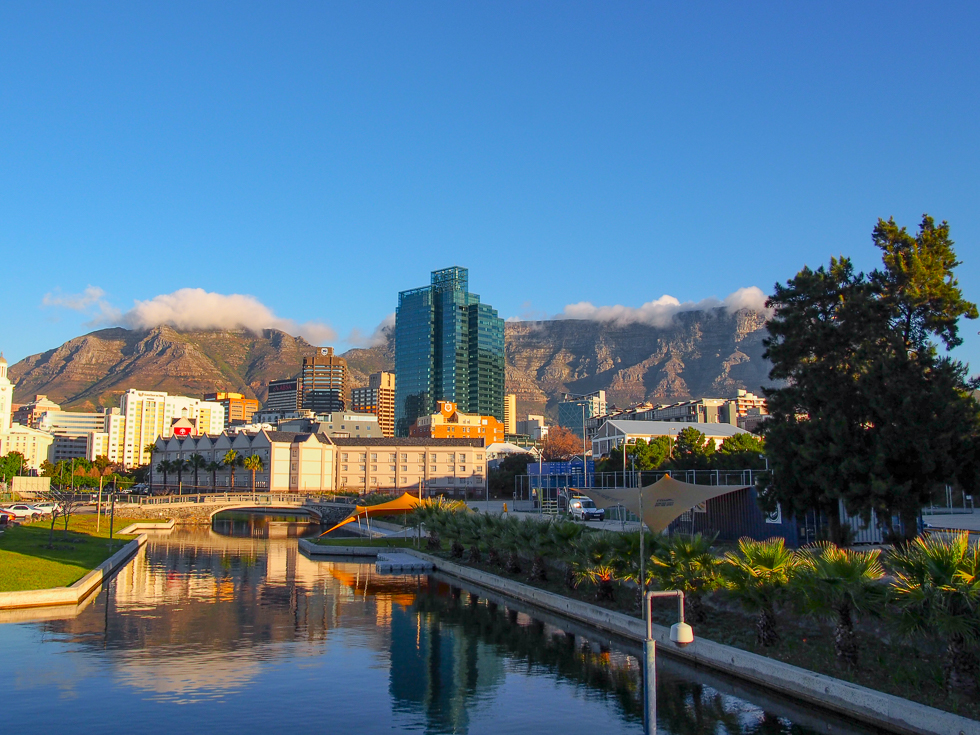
448	423
238	408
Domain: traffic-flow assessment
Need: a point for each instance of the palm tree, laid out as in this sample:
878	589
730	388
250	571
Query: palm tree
565	536
686	563
594	563
150	449
253	463
758	575
178	465
937	590
213	468
231	460
197	463
836	583
164	466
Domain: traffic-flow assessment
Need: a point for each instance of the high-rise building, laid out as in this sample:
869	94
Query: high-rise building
448	347
283	395
238	408
510	413
570	410
323	382
377	398
6	396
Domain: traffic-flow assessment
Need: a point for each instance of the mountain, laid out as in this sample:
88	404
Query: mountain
697	353
92	371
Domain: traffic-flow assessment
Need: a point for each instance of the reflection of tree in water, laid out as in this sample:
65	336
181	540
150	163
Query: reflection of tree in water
684	707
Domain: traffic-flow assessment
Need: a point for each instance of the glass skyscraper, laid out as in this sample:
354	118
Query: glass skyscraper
448	347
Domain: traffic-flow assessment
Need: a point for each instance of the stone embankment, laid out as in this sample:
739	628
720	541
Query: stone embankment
199	514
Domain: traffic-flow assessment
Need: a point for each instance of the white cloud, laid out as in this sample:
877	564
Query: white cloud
74	301
660	311
197	309
357	338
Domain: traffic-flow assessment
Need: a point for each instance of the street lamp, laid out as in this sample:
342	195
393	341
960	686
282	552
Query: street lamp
681	635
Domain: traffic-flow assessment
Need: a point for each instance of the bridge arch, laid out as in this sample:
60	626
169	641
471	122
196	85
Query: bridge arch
263	507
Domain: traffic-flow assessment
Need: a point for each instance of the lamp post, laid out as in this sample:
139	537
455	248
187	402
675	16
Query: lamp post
585	449
681	635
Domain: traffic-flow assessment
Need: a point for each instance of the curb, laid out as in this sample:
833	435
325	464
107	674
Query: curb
78	591
861	703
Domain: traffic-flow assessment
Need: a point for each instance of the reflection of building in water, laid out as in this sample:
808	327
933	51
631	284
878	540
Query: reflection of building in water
437	668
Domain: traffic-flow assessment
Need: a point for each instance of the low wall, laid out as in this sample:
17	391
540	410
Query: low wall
78	591
316	550
867	705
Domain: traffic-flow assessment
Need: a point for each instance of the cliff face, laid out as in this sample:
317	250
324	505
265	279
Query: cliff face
710	353
698	353
93	370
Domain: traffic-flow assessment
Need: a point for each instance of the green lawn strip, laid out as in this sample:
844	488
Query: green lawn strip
29	562
370	542
887	663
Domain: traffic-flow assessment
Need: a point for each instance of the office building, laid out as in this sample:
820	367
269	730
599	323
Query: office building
30	413
145	415
238	408
451	423
283	395
534	427
377	398
71	430
571	414
448	347
510	413
322	384
343	424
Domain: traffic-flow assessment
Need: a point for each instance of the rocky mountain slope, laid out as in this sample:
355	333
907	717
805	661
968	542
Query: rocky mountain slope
707	353
93	370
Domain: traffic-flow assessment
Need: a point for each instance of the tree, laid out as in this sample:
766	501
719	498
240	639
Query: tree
197	463
646	455
869	414
501	479
740	452
213	468
253	463
164	466
11	465
178	465
937	589
561	444
687	563
231	460
839	583
758	575
692	450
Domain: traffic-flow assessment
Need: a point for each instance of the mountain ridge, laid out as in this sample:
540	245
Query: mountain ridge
696	353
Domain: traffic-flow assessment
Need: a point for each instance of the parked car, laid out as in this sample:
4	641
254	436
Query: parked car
23	512
582	508
48	507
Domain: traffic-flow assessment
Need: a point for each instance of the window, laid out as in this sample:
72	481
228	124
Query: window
479	457
360	467
432	468
343	468
462	468
374	457
404	457
404	468
462	458
374	468
391	468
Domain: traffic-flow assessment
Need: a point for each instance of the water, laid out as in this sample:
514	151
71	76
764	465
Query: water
212	632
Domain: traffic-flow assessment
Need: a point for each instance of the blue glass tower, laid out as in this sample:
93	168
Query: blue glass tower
448	347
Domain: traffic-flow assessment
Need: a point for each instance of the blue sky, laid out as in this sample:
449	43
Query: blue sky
321	157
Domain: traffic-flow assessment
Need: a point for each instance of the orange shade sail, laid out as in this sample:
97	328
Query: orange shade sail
403	504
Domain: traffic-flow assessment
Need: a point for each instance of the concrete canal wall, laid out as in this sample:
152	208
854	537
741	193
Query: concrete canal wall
867	705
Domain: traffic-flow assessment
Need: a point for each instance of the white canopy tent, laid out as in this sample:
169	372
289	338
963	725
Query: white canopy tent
663	501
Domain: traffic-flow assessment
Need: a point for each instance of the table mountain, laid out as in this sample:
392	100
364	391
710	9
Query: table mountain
698	353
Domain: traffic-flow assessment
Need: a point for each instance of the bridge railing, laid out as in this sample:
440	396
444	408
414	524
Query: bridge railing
235	498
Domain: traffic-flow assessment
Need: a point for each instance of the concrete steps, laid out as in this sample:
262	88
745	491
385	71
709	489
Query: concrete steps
397	562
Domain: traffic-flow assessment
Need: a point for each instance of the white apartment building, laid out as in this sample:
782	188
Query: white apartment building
31	443
144	416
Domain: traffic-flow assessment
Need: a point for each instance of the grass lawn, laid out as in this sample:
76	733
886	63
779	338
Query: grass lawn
888	663
27	562
381	543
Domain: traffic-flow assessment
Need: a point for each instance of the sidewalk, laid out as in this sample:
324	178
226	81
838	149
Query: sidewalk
954	521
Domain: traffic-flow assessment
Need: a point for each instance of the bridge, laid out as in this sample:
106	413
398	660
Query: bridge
202	508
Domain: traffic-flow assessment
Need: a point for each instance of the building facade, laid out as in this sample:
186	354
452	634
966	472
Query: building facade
238	408
451	423
510	413
377	398
283	395
35	445
30	413
571	414
340	424
316	463
71	431
322	386
448	346
614	433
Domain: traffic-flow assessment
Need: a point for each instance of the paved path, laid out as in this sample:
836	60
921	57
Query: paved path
964	521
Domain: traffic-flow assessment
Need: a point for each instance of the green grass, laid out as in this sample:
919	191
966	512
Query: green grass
29	562
381	543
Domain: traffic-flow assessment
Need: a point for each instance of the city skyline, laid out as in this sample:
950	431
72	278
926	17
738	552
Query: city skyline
179	157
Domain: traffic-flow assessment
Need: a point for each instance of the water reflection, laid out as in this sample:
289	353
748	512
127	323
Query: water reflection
244	633
261	524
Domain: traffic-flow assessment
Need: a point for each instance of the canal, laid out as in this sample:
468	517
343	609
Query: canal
234	630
